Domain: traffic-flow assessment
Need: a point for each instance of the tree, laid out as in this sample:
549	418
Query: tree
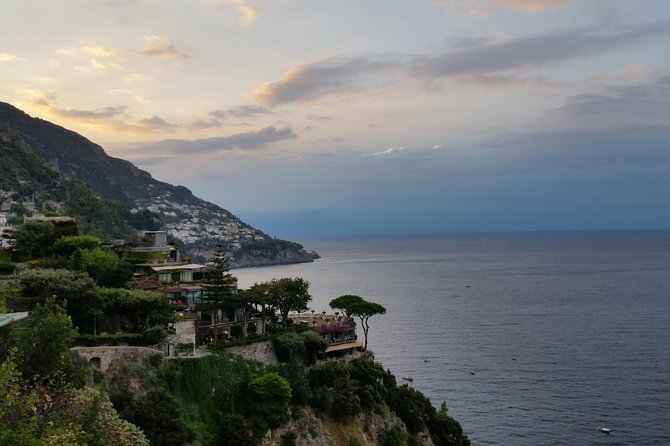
43	347
133	310
67	245
232	430
270	395
18	426
104	266
364	310
412	406
220	288
289	294
445	431
35	239
241	300
76	291
158	415
343	303
258	296
290	346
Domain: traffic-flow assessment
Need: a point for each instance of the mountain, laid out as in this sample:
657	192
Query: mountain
51	168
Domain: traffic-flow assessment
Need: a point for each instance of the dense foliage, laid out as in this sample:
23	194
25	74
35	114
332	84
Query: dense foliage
41	383
292	345
288	294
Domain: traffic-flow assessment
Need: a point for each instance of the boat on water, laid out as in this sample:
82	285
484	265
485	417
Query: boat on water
408	378
604	430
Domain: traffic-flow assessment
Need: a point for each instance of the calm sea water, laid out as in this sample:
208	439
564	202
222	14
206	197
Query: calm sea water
564	332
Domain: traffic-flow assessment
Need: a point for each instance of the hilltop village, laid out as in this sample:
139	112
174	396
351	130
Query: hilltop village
131	342
188	223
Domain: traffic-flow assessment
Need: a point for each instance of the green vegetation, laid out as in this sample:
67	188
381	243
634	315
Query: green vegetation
293	346
219	289
225	400
44	401
356	306
288	294
79	291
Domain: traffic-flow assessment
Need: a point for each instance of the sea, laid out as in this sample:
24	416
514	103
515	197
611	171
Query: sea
530	338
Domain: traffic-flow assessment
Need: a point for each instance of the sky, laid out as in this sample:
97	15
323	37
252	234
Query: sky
319	117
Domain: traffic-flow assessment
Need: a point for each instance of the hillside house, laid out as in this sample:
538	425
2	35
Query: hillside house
152	249
185	292
338	331
189	272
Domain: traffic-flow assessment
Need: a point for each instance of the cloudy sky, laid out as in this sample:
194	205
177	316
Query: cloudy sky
322	117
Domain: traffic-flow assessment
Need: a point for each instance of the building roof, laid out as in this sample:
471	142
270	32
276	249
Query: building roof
336	347
8	318
187	267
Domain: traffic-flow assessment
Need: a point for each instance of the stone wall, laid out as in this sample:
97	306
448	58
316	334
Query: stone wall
102	357
260	351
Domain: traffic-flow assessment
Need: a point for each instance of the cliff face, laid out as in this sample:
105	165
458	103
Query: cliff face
364	430
132	195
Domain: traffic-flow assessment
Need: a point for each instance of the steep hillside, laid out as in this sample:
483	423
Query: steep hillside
23	176
54	162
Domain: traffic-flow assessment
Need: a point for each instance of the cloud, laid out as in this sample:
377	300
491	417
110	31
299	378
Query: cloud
389	151
4	57
501	61
467	8
218	118
247	13
248	111
86	50
96	114
624	126
244	141
154	123
531	5
95	66
137	77
141	99
334	76
159	46
481	60
616	107
319	118
113	118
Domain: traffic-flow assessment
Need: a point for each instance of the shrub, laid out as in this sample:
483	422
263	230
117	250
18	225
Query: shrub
236	331
110	339
270	395
346	404
412	407
289	439
158	416
233	430
154	335
251	329
313	345
7	268
288	345
394	436
294	374
186	348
